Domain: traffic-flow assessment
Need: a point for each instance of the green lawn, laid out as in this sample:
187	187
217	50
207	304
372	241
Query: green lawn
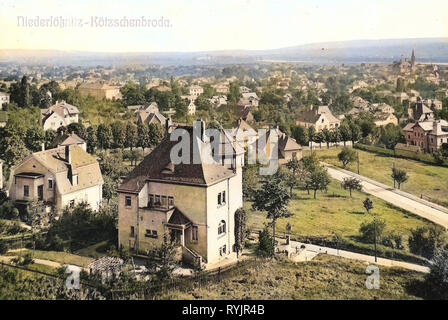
325	277
60	257
95	251
429	180
336	213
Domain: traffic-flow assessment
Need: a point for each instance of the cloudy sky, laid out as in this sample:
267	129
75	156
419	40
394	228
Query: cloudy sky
196	25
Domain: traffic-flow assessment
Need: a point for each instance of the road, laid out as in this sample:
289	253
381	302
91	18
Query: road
360	257
422	208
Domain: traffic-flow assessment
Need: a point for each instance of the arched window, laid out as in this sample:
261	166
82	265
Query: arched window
222	227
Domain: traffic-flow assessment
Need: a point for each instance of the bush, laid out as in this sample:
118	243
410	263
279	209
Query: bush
437	279
3	247
265	246
424	241
367	230
393	240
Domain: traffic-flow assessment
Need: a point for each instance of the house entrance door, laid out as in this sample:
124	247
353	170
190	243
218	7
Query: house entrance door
40	192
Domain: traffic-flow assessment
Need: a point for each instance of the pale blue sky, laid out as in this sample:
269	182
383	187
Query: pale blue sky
221	25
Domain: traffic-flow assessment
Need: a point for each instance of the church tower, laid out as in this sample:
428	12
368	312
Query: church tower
413	59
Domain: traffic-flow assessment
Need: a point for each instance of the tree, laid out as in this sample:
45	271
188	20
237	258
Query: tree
297	174
265	247
250	181
345	133
234	94
301	135
327	137
351	184
400	176
110	187
273	198
131	135
240	229
424	241
156	134
347	156
311	135
437	279
34	138
91	139
119	134
104	136
355	132
368	205
368	233
319	180
143	137
15	150
162	261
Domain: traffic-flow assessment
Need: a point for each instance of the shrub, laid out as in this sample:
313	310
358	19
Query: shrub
367	230
3	247
424	241
265	246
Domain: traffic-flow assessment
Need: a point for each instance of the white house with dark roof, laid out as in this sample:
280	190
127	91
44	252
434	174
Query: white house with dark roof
195	203
59	115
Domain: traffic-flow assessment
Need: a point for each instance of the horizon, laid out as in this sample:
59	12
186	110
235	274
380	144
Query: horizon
209	26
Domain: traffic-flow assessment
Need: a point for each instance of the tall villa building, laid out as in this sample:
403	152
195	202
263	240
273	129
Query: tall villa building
195	203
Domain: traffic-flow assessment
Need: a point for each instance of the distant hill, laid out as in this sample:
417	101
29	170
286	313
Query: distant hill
427	50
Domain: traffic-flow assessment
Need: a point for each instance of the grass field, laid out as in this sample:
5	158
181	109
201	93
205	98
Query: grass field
325	277
429	180
336	213
60	257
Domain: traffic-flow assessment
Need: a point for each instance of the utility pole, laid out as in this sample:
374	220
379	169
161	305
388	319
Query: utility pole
393	170
357	153
374	222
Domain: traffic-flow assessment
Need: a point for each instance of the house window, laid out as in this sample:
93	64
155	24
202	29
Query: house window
128	201
132	232
157	201
151	234
294	155
164	201
170	201
223	197
151	200
26	191
50	184
219	199
222	227
194	233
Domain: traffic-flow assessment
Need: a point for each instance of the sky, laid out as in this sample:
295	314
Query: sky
203	25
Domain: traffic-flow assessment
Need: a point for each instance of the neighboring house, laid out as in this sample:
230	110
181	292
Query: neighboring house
194	203
191	108
244	133
218	101
249	99
59	115
244	89
60	177
74	140
195	91
420	112
384	118
4	99
151	115
321	118
221	88
100	91
288	148
427	135
381	108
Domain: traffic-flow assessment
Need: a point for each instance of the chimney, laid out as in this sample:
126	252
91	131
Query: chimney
68	156
167	125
